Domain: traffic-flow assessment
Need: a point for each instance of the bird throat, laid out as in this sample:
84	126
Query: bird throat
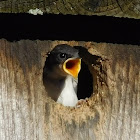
68	96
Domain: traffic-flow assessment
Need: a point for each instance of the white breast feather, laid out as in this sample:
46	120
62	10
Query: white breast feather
68	96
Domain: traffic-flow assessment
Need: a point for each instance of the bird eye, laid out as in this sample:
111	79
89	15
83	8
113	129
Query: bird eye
62	55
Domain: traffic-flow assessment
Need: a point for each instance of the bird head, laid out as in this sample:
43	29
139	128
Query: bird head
65	60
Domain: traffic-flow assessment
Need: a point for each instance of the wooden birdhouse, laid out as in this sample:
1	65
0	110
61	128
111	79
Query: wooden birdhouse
109	77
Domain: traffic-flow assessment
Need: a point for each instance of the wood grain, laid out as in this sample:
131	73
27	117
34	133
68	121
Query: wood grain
26	113
117	8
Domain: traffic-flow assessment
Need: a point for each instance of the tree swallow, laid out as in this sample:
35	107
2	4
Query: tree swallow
60	74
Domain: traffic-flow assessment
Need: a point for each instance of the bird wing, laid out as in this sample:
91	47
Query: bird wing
75	82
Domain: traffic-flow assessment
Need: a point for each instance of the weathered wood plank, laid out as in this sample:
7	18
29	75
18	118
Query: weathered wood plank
27	113
117	8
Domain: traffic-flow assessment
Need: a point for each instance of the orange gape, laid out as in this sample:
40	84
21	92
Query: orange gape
72	66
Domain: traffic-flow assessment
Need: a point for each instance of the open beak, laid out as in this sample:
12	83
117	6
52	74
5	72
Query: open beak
72	66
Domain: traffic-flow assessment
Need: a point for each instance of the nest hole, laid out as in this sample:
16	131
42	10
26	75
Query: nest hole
89	75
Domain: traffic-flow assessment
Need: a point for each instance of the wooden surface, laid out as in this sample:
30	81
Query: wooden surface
112	113
118	8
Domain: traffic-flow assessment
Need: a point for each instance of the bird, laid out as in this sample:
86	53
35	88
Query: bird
60	74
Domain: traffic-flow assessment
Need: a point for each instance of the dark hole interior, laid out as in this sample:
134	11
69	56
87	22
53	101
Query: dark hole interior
85	82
